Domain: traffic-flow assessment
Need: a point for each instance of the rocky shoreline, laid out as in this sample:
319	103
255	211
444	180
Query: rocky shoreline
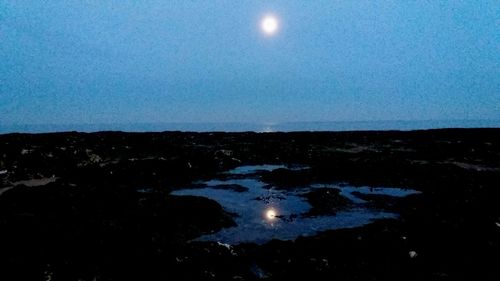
73	205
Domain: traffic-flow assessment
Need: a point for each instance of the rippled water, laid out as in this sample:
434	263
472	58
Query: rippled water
265	213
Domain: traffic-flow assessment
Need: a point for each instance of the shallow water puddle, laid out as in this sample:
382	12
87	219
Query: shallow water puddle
265	213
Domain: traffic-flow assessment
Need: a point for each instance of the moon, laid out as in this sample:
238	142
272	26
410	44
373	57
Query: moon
271	214
269	25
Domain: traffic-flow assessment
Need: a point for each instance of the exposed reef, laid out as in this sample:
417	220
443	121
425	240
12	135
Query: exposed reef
98	206
326	201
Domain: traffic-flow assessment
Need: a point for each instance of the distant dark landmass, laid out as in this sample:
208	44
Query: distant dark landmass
403	125
358	205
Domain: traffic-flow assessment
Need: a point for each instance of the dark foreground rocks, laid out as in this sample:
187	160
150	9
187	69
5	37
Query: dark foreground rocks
77	231
77	206
326	201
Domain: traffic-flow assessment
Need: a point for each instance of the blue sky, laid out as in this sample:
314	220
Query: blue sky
208	61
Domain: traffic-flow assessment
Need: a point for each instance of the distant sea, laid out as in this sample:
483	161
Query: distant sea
254	127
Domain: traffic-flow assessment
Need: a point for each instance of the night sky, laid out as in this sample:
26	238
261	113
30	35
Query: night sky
210	61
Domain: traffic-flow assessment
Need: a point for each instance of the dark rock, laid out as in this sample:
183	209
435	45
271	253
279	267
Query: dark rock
286	178
326	201
233	187
381	201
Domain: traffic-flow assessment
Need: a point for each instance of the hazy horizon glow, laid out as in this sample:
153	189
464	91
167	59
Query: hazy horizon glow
94	62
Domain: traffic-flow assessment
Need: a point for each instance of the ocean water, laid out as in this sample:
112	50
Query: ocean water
253	127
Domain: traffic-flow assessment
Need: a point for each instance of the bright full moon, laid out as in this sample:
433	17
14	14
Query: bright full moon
269	25
270	214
